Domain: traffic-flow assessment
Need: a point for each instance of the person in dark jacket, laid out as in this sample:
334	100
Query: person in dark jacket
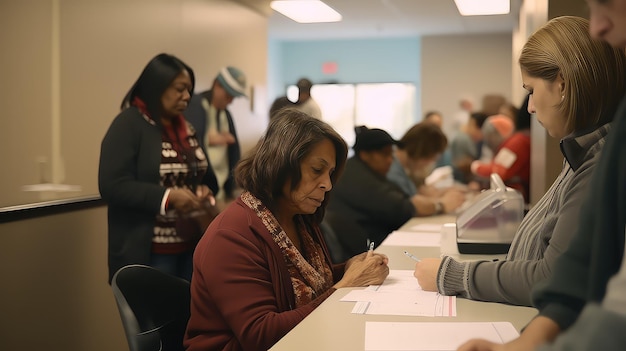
153	174
366	206
262	265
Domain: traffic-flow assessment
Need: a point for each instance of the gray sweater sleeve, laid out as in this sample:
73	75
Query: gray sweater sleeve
497	281
511	281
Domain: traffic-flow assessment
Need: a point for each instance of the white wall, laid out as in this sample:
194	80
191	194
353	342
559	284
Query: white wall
534	14
55	294
69	63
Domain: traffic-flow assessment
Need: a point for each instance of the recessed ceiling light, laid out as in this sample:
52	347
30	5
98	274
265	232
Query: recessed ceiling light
483	7
306	11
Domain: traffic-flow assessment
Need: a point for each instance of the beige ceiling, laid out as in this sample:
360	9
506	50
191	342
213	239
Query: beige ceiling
262	6
384	18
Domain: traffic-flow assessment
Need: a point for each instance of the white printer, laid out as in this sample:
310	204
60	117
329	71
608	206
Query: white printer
487	224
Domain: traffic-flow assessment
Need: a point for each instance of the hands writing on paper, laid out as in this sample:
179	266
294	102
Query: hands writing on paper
365	269
426	273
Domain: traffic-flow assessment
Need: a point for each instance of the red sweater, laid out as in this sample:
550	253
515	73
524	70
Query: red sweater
241	292
511	163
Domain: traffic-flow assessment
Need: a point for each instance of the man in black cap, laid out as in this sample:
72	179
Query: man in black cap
366	206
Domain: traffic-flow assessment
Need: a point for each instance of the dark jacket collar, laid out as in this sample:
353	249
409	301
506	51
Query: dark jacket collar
576	145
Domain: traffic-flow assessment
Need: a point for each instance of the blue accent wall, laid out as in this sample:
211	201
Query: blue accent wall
386	60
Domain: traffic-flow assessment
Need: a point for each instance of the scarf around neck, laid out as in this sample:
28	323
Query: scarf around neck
179	124
310	278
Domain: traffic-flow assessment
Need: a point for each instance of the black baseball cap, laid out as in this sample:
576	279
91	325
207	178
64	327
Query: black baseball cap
372	139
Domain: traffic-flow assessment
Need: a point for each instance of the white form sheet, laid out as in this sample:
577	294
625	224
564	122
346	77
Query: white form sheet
400	294
403	238
436	336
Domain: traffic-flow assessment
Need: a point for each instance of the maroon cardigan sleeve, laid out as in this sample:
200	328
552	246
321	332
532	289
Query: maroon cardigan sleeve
241	290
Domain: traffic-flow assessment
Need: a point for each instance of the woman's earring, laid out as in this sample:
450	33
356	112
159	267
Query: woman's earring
562	97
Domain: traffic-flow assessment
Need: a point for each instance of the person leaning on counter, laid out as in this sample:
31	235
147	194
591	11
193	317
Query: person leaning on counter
574	107
367	206
416	153
262	265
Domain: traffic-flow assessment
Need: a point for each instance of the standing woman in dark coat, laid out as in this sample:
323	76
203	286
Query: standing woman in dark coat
153	174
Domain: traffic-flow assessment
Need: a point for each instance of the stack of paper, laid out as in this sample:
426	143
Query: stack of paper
400	294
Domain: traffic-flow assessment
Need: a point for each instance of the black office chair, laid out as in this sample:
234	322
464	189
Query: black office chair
154	307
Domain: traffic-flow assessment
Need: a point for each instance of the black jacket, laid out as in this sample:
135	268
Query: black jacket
128	180
365	205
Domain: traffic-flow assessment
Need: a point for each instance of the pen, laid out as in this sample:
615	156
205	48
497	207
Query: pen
370	245
411	256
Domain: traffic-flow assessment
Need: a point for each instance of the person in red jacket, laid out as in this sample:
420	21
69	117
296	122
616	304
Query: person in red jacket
512	159
263	265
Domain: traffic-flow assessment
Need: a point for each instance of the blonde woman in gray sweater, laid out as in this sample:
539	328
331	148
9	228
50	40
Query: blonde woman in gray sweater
575	84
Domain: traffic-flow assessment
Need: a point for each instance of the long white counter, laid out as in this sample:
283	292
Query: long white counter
332	326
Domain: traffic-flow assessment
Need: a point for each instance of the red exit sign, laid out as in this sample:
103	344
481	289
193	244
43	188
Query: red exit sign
329	67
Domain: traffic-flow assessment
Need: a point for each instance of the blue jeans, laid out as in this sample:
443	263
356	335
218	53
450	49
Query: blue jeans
180	265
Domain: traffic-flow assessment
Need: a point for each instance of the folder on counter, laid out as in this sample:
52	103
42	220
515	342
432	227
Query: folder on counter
433	336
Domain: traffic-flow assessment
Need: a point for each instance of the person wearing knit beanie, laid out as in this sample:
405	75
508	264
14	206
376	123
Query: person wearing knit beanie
496	129
512	157
208	113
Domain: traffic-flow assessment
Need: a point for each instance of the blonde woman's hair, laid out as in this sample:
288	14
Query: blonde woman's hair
592	70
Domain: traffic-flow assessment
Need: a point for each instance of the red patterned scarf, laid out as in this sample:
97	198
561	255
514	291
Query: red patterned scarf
179	124
310	276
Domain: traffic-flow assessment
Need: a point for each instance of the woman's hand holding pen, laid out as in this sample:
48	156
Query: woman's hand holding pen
365	269
426	273
362	256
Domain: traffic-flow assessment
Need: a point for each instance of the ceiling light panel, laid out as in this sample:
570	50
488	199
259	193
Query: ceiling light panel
483	7
306	11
